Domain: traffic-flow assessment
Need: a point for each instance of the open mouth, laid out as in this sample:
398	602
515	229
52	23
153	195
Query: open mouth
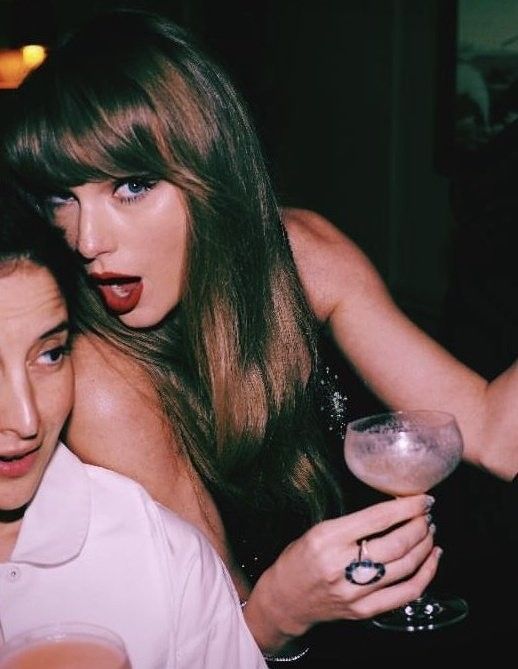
120	295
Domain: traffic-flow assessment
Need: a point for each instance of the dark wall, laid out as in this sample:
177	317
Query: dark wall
344	96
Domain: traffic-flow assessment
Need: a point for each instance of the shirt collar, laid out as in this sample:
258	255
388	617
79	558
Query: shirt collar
55	525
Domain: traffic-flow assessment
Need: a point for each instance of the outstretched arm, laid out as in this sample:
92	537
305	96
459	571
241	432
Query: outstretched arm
402	365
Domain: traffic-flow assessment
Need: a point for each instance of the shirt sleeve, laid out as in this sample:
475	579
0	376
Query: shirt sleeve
211	632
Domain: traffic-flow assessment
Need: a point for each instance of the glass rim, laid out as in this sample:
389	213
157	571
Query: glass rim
60	631
444	418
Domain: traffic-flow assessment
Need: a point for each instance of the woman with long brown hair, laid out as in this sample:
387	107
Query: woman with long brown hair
202	378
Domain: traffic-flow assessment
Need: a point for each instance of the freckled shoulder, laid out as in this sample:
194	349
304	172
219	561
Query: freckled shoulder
332	268
108	381
117	423
116	417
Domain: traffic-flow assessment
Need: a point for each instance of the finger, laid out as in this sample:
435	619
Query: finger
409	563
380	517
399	542
394	570
398	594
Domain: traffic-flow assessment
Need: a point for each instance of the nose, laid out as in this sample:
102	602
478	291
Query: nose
19	413
94	236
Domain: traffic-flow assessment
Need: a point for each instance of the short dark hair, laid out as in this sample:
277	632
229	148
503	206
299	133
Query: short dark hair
26	237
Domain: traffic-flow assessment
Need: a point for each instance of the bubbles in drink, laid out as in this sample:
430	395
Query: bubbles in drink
400	468
403	453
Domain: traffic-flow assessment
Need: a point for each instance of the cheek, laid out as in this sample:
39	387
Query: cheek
65	222
168	262
62	395
70	236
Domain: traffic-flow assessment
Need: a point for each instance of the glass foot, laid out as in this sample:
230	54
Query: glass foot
425	613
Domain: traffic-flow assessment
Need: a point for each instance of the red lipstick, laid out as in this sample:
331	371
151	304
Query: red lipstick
121	293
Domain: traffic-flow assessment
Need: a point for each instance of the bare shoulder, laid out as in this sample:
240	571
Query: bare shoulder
115	405
332	267
306	226
117	423
107	381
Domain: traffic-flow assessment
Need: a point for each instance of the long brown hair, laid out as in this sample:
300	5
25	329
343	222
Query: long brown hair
234	364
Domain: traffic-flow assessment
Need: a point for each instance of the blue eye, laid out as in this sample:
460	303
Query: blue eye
133	189
136	186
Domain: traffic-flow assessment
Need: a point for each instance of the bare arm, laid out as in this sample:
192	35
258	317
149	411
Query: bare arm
403	366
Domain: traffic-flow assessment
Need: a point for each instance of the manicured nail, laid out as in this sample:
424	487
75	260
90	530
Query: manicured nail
430	501
429	518
438	551
432	528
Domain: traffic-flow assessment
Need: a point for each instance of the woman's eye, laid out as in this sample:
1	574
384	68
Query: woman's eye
133	189
54	355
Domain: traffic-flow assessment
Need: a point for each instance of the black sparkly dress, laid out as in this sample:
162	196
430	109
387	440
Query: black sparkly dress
255	549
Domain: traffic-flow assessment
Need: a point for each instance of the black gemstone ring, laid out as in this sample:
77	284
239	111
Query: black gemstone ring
364	572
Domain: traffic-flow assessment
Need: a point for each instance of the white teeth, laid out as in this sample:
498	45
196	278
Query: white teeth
120	290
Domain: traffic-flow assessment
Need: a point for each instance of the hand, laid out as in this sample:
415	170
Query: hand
306	584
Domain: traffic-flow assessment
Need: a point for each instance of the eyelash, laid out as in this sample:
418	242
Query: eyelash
146	185
49	204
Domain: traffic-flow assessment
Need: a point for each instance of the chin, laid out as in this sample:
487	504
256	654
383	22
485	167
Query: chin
140	319
147	316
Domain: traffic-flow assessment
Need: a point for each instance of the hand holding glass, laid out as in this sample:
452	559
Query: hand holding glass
407	453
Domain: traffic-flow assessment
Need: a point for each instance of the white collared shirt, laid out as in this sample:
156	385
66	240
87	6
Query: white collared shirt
94	547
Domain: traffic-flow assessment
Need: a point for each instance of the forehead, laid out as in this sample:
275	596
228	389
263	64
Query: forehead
30	303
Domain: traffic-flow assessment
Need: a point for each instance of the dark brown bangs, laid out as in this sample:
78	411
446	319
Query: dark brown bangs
79	136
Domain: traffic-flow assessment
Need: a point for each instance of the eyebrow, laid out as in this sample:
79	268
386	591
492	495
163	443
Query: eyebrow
61	327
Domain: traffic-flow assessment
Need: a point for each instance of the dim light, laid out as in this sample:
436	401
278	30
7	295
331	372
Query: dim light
15	64
33	55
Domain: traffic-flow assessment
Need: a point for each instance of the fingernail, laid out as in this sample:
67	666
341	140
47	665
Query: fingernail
429	518
432	528
438	551
430	501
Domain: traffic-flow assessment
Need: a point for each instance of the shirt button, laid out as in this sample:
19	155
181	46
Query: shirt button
13	574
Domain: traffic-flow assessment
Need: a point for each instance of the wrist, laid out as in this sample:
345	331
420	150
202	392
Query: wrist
291	652
269	620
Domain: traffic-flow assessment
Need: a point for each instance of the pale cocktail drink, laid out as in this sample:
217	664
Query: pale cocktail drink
401	463
64	649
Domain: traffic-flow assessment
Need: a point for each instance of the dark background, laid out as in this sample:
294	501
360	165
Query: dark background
346	97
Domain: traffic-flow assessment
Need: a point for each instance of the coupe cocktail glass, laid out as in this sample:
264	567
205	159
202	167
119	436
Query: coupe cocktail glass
406	453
